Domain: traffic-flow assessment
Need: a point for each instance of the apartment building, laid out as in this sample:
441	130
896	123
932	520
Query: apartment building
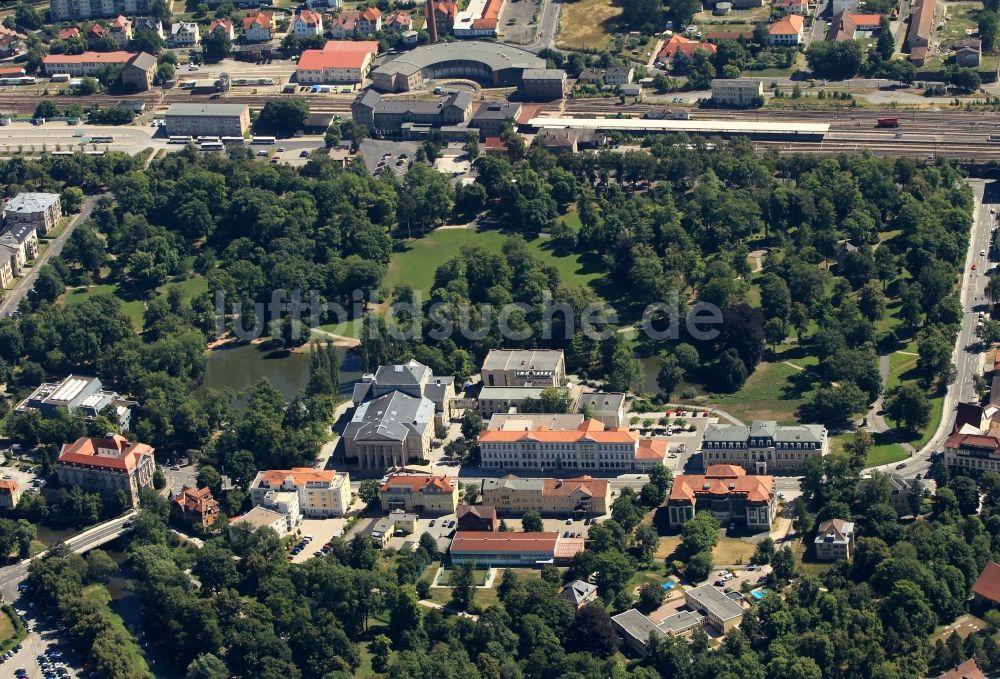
184	34
23	238
261	517
9	266
369	21
420	493
40	210
340	61
107	465
737	92
524	368
215	120
973	453
321	493
788	31
764	446
63	10
258	27
307	24
149	24
224	26
834	540
728	493
562	497
527	441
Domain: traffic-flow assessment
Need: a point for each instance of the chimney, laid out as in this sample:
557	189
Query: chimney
432	30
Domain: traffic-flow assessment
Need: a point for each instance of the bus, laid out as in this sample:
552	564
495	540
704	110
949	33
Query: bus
212	146
179	140
264	140
62	153
60	77
208	138
102	139
20	80
232	140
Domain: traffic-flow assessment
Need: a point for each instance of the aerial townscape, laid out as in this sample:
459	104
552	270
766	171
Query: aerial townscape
500	339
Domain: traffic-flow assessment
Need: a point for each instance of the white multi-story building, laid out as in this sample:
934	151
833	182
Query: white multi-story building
737	91
184	34
62	10
763	447
321	493
308	24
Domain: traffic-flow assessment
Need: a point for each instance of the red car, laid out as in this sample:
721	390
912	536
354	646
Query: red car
973	266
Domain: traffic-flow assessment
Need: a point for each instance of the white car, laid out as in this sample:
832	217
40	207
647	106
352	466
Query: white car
982	253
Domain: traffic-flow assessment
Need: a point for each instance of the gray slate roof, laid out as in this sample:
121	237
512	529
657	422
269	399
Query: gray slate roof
30	203
410	373
390	418
495	56
21	233
577	591
522	359
206	110
600	402
511	482
727	433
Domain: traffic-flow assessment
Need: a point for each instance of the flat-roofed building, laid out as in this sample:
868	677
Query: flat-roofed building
398	521
10	493
728	493
764	446
40	210
721	612
527	441
390	431
738	91
420	493
513	495
834	540
513	549
524	368
635	629
77	392
286	503
322	492
107	465
607	408
207	120
261	517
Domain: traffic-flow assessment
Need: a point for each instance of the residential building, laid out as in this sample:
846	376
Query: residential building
563	497
139	72
524	368
967	670
224	26
986	589
148	23
492	400
340	61
973	453
322	493
62	10
834	540
412	378
213	120
258	27
493	116
369	21
390	431
69	33
968	52
23	238
579	593
398	521
184	34
40	210
307	24
720	611
261	517
95	35
611	76
513	549
542	84
542	442
195	506
728	493
918	38
10	493
851	25
902	489
477	518
14	257
9	267
393	117
764	446
120	30
84	64
345	25
786	31
76	393
478	19
800	7
740	92
680	44
107	465
399	21
607	408
285	503
410	38
419	493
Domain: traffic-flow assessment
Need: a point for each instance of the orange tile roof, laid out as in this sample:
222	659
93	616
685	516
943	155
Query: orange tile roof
299	476
84	451
867	19
651	449
974	440
490	17
196	500
97	30
370	14
118	57
69	33
791	24
446	8
8	485
224	24
678	43
420	483
315	60
722	480
261	19
486	541
589	430
351	46
11	72
120	23
988	583
586	485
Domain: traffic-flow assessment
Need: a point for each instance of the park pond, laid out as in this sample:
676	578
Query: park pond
240	367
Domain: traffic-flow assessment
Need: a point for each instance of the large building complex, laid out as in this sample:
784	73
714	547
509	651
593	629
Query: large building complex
340	61
489	64
40	211
485	548
524	368
728	493
321	493
62	10
75	393
411	378
764	446
107	465
513	495
85	63
209	120
420	493
390	431
565	442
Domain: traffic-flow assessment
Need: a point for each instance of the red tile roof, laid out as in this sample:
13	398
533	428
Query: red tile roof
225	24
69	33
587	485
989	441
196	501
791	24
722	480
299	476
485	542
419	483
678	43
988	583
967	670
651	449
309	17
123	456
490	16
97	31
371	14
8	486
260	19
118	57
315	60
120	23
11	72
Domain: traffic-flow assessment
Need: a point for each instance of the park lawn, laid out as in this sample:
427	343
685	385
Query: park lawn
135	309
796	354
416	263
588	24
100	595
668	545
572	220
644	577
899	365
350	328
774	391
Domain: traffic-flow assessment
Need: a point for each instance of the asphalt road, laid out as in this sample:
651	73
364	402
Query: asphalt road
14	296
547	27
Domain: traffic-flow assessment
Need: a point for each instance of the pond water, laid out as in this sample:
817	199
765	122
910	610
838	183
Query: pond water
240	367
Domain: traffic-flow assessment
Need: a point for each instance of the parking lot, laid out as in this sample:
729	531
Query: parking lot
382	155
322	531
41	654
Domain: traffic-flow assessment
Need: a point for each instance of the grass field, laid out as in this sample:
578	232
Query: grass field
774	391
587	24
728	551
134	308
100	595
